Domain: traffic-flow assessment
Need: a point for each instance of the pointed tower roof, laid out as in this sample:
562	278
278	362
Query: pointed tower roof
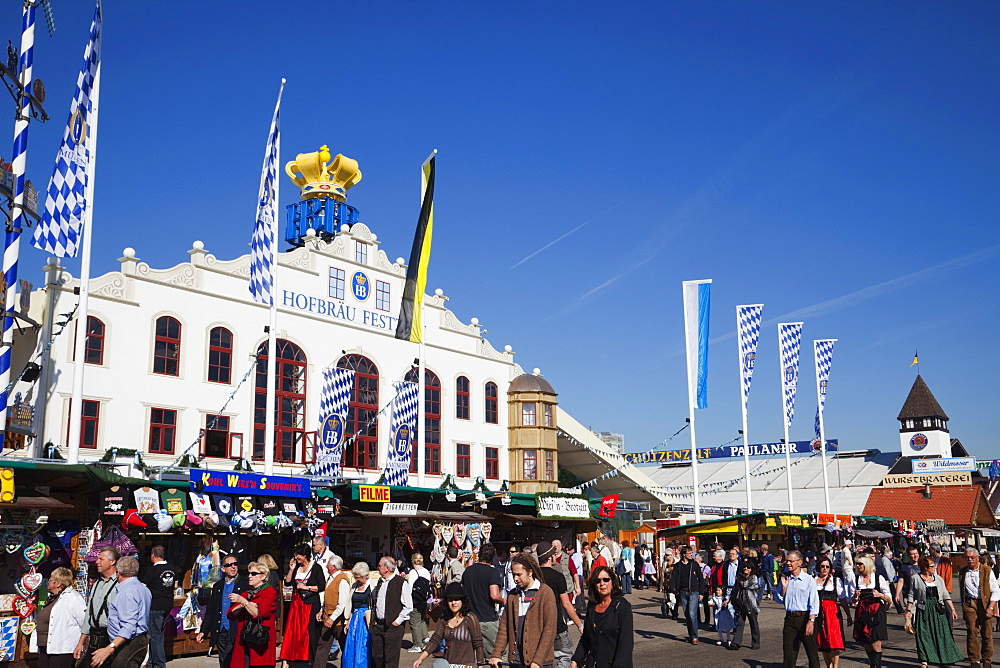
920	403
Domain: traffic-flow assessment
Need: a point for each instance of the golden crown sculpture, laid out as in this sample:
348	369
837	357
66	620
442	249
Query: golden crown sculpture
316	178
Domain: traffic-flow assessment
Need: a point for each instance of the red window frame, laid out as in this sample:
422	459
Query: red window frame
289	403
217	430
94	350
549	422
90	424
530	465
362	452
162	430
432	423
492	463
463	398
529	416
167	346
463	460
220	356
550	465
492	404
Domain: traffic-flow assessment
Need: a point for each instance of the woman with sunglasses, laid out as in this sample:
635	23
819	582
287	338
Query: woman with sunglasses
260	602
459	628
301	633
607	629
830	622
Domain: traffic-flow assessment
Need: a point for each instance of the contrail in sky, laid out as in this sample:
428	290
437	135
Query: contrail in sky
560	238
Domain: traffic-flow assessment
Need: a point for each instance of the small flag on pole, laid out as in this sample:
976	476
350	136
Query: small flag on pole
916	359
61	225
264	243
411	326
697	298
609	504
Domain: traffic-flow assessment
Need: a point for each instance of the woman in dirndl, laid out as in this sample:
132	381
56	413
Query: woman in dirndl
357	645
929	598
301	632
830	624
871	597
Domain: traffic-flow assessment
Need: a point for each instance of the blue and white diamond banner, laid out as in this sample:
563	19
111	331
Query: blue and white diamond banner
264	243
402	431
333	403
789	344
748	330
823	352
61	225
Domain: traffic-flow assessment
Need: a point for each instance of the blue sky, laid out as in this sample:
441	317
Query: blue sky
837	162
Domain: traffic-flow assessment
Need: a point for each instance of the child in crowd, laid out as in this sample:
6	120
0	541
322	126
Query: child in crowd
725	622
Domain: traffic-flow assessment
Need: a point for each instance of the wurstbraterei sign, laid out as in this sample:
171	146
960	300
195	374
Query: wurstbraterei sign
917	479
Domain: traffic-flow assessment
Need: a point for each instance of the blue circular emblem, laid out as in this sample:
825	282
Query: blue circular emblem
360	286
401	441
918	442
331	433
77	129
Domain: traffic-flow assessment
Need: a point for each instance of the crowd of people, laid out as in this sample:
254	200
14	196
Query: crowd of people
827	588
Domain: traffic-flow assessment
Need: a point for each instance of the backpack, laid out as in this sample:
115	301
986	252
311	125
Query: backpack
421	592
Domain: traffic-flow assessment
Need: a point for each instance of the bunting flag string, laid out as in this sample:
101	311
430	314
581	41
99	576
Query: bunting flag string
724	485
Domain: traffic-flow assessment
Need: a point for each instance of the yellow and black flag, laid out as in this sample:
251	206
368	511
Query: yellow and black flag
410	326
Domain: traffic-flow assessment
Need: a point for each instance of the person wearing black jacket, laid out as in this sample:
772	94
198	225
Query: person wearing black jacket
607	640
688	583
161	579
216	620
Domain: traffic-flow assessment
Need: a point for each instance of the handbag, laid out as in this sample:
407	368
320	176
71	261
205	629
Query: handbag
254	633
941	606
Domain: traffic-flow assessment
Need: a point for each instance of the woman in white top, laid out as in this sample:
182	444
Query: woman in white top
60	622
871	597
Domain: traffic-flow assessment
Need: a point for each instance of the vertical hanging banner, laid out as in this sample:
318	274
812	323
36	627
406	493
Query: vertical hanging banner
697	298
61	225
401	433
264	242
410	326
748	326
789	343
823	351
333	403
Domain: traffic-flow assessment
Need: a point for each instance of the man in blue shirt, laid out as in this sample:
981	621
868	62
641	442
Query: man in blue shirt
766	572
128	620
732	570
216	620
801	598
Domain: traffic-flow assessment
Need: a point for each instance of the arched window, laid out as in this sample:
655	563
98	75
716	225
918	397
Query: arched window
220	355
167	346
432	423
462	398
290	403
492	408
362	452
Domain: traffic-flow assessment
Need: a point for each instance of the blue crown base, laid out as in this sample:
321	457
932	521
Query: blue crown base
324	215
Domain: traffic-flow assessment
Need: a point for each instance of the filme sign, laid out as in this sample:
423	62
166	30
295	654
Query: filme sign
944	465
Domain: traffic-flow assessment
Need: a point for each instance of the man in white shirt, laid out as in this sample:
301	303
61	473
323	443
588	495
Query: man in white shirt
980	597
393	604
321	555
418	624
335	599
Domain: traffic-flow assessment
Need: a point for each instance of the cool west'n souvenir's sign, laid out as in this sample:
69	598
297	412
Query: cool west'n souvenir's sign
233	482
729	451
917	479
562	506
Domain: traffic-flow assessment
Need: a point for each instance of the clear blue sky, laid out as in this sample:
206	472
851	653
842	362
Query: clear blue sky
837	162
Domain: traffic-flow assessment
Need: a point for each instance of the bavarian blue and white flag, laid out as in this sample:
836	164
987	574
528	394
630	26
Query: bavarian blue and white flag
61	227
333	404
402	431
789	343
264	244
697	298
748	330
823	353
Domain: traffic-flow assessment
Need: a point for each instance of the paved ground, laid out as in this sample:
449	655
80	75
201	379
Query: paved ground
660	642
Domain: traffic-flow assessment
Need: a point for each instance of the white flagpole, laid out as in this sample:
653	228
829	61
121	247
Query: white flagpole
784	418
421	419
272	326
822	436
743	408
80	339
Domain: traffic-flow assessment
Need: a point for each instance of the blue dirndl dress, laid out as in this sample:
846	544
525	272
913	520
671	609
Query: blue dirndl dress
357	645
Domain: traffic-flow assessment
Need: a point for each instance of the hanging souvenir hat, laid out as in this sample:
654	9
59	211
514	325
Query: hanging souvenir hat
133	521
150	519
313	523
191	520
246	519
164	522
178	520
271	520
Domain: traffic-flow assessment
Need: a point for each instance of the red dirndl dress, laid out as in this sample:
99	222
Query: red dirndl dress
295	639
830	632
